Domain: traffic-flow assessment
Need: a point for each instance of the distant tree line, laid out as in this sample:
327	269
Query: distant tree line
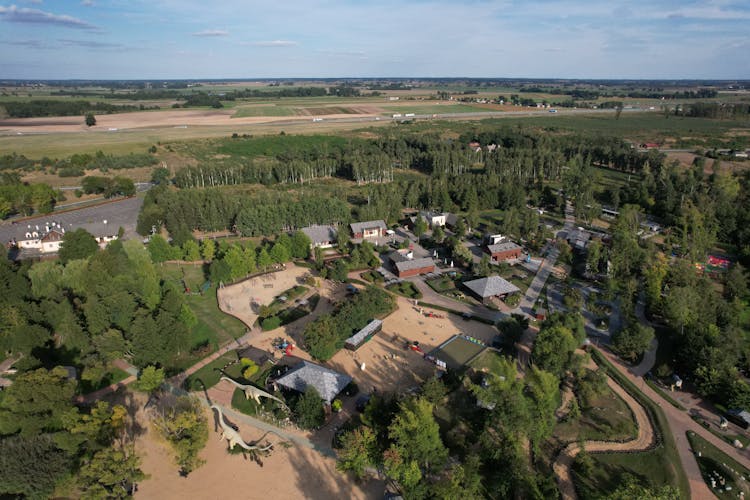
44	107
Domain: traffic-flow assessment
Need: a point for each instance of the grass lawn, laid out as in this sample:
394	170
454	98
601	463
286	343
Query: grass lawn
405	289
441	284
430	109
209	375
243	111
650	467
489	360
717	465
214	326
457	352
607	417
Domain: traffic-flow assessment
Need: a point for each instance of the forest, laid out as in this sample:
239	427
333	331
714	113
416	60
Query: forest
48	107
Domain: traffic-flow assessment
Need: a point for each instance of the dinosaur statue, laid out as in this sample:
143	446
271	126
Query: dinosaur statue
253	392
233	437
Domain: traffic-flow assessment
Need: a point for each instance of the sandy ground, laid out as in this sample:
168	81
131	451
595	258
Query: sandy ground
389	366
288	473
686	160
151	119
236	299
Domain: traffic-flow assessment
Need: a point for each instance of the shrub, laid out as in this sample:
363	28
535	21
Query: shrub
271	323
337	405
308	410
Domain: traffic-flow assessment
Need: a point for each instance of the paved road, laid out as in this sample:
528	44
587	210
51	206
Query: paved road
532	293
432	297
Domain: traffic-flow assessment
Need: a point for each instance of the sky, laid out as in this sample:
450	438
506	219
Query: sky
189	39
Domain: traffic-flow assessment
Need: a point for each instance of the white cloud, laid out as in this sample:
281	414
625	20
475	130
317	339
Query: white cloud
275	43
211	33
25	15
87	3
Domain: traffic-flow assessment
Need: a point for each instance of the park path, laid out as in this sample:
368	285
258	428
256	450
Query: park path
99	394
644	440
430	296
679	423
526	306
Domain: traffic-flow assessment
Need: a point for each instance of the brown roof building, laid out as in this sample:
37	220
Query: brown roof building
504	251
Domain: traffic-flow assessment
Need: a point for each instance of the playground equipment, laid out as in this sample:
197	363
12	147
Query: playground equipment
414	346
284	345
233	437
431	314
253	392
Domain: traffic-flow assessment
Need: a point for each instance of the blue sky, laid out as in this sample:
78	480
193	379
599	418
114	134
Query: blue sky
118	39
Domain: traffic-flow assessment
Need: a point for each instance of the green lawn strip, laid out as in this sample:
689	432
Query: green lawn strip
489	360
405	289
725	436
663	394
209	375
608	470
665	445
712	461
272	411
243	111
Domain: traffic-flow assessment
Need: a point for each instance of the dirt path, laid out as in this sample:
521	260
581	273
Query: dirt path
679	423
643	441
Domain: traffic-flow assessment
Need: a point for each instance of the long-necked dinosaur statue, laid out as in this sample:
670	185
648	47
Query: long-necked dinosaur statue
253	392
233	437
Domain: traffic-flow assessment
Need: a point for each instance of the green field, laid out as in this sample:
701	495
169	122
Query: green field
490	361
457	352
436	109
265	110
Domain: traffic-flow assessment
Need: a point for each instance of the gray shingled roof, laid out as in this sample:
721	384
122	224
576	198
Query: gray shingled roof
503	247
327	382
491	287
320	234
359	227
414	264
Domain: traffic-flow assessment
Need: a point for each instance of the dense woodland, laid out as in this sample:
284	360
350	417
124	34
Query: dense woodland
84	311
44	107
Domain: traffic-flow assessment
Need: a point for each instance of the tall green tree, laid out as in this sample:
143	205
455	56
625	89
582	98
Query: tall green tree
36	402
308	410
78	244
358	451
185	428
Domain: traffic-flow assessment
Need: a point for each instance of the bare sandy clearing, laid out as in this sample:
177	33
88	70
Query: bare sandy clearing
236	300
288	473
389	365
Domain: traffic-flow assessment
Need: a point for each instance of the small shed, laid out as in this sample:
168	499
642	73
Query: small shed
365	334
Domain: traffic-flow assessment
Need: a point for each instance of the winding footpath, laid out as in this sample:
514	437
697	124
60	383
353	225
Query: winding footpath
642	442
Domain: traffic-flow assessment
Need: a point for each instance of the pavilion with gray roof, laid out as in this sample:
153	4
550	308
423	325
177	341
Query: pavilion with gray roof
327	382
321	236
493	286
